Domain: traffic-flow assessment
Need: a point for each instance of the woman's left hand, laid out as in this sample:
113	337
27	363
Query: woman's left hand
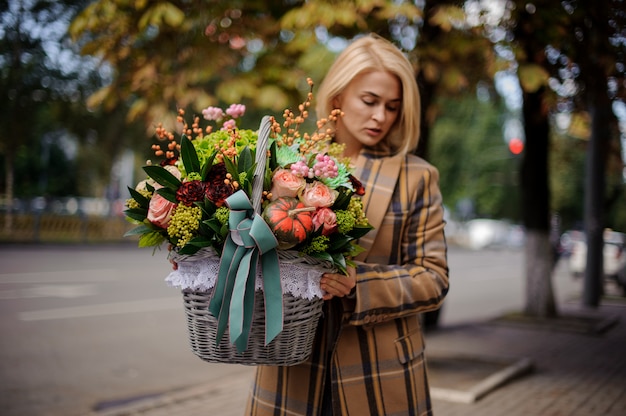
339	285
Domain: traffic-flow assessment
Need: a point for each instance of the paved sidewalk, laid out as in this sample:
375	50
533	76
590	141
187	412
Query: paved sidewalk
572	366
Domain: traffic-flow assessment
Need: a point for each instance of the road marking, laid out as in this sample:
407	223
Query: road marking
93	275
49	291
103	309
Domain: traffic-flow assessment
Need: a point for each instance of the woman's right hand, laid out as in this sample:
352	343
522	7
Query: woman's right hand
338	285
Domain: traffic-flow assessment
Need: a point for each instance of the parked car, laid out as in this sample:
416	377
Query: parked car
482	233
613	256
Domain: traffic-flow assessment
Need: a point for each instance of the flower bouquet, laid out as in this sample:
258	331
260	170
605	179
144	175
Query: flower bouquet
252	219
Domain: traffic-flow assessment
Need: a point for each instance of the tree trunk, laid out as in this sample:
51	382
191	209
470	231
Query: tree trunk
536	208
539	295
593	51
599	108
8	218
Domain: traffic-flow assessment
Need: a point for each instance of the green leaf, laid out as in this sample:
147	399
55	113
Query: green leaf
138	214
214	225
354	250
338	242
340	262
204	230
208	164
189	249
151	239
141	229
343	199
231	168
273	162
249	182
245	161
201	241
162	176
141	200
189	155
168	194
207	207
324	256
358	232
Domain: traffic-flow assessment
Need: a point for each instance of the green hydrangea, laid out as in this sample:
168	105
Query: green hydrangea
221	214
318	244
194	176
356	208
345	221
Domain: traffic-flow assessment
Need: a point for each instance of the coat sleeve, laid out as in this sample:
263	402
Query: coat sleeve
406	272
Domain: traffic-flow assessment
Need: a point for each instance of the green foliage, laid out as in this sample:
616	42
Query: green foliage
473	159
567	177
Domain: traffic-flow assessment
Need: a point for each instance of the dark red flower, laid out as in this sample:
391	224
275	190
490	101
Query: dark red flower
217	187
359	189
218	192
190	192
217	173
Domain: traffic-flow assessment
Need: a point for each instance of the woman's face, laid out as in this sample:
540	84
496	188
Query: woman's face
371	104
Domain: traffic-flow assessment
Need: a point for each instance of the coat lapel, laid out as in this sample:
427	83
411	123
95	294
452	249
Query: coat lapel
379	176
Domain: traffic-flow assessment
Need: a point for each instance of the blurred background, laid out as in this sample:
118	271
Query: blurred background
522	103
85	83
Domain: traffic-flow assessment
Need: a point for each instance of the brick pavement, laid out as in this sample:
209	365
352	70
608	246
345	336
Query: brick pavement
575	372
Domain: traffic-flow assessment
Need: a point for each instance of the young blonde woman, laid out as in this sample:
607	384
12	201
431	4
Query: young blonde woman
368	357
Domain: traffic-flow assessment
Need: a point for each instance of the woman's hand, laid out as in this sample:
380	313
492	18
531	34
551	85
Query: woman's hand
338	285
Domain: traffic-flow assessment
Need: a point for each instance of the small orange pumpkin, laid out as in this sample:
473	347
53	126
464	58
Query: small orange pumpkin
290	221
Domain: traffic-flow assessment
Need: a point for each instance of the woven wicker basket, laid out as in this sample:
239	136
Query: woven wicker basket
291	346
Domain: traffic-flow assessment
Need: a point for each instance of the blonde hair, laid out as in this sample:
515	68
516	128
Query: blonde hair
373	53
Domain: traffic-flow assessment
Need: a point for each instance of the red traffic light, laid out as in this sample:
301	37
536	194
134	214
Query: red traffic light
516	146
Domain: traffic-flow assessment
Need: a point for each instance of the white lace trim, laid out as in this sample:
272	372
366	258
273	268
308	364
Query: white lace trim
297	278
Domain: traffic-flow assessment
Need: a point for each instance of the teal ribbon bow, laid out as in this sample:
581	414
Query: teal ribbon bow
250	239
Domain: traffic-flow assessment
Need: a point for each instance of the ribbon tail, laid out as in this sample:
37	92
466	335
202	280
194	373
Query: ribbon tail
242	302
273	296
219	305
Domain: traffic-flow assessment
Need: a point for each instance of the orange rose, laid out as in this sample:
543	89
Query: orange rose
285	183
318	195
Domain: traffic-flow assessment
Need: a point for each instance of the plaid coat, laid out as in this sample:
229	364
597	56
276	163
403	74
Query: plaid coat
371	347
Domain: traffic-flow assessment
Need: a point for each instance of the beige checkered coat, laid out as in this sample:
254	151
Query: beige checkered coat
372	345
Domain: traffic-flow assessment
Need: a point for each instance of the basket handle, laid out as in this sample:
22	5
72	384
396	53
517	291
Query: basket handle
261	159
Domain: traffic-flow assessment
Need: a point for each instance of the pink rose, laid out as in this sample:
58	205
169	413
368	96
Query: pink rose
160	211
325	217
318	195
285	183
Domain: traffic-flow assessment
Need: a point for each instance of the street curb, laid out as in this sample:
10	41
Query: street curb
513	368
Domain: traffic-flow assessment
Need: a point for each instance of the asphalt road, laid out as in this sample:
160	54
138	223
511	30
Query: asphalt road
86	327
